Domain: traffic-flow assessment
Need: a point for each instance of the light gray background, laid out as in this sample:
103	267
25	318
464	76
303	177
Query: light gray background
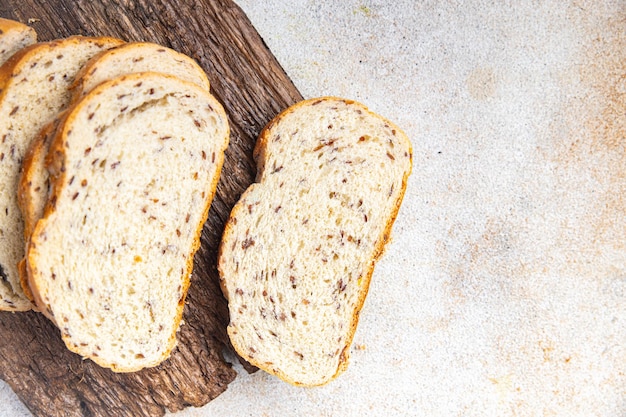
503	291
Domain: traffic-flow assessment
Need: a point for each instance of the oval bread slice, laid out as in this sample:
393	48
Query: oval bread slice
300	245
13	37
33	89
135	165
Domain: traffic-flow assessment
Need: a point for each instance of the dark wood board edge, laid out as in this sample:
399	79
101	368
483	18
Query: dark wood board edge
253	88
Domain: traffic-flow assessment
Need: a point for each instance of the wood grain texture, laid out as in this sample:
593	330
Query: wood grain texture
253	88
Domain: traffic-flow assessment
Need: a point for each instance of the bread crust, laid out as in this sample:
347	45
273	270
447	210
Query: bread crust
16	62
260	157
87	71
36	152
9	27
56	167
28	280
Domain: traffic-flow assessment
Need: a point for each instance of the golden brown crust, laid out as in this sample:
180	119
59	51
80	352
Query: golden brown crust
16	63
56	167
13	65
54	163
7	25
259	155
21	269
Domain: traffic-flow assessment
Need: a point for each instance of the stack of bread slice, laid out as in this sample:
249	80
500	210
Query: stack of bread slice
35	86
111	154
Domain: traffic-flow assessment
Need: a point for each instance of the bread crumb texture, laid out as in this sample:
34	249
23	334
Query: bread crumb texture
111	257
300	245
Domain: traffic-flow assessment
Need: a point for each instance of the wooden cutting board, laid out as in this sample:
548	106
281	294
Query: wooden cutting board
253	88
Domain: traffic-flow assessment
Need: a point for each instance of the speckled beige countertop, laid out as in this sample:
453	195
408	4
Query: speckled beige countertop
503	292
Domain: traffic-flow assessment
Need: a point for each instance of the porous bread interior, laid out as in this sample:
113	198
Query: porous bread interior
300	245
110	259
13	37
35	88
139	57
124	59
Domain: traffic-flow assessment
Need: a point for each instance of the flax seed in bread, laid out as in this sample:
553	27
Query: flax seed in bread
299	247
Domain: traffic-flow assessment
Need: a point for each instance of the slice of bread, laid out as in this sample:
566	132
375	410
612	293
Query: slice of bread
34	181
124	59
33	190
134	167
33	89
13	37
138	57
300	245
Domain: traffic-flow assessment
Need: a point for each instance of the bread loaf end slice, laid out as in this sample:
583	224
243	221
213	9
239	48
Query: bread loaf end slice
300	245
13	37
33	89
135	165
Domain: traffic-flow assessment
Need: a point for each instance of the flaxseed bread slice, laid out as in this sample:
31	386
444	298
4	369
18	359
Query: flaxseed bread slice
138	57
124	59
299	247
33	89
134	167
34	181
33	189
13	37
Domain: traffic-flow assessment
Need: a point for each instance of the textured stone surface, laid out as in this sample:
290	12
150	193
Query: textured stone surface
502	291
